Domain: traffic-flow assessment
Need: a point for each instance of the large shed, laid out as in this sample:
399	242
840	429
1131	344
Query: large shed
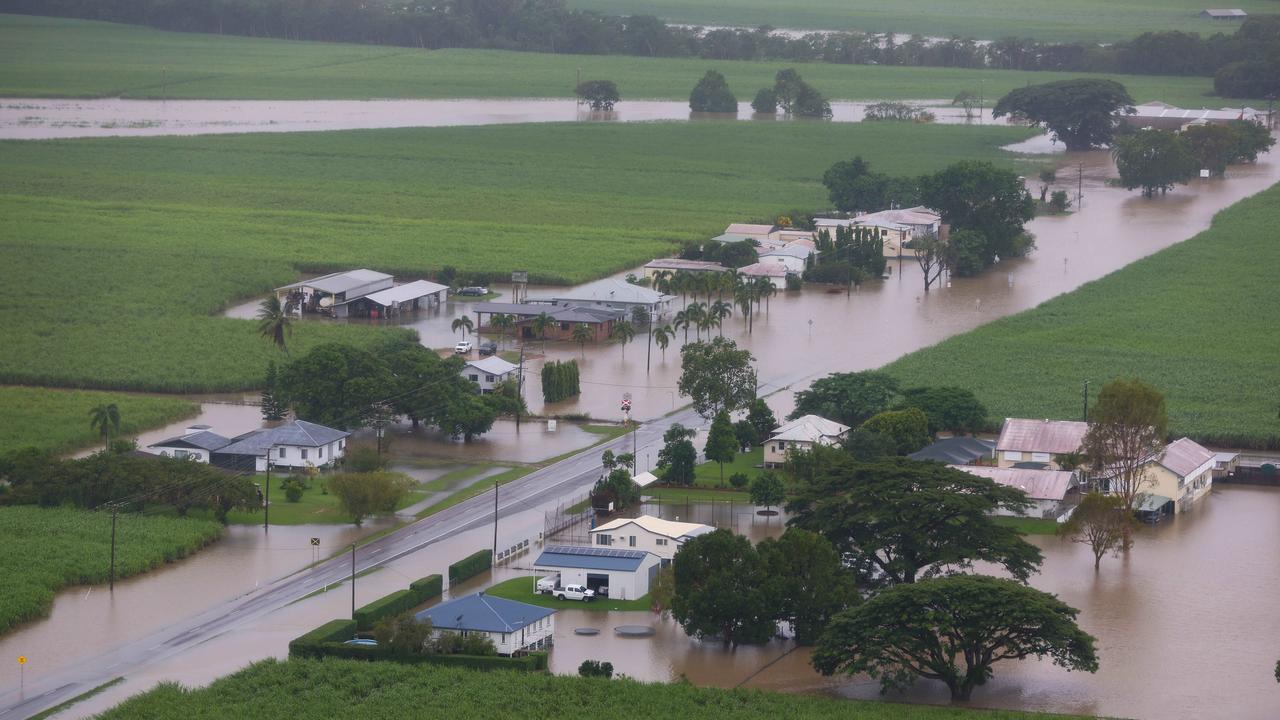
626	574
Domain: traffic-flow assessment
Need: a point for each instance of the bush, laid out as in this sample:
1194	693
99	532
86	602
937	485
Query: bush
363	459
560	380
595	668
529	663
765	102
293	489
1059	201
312	643
739	480
470	566
428	587
363	494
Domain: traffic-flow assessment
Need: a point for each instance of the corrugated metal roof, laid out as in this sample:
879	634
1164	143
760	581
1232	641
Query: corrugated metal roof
1047	436
687	265
298	432
340	282
611	290
748	229
492	365
658	526
590	558
483	613
795	250
956	450
809	428
1037	484
203	440
1184	457
764	269
559	313
406	292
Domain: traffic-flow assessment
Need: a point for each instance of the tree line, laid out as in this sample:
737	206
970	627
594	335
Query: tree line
548	26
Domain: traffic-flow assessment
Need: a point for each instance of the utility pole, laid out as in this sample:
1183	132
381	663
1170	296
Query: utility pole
649	349
1079	185
1086	401
495	521
353	581
115	510
520	384
266	505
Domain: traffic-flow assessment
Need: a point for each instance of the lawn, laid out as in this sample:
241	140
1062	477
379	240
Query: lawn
681	496
315	507
521	589
58	420
48	57
1088	20
131	247
321	689
708	473
1029	526
1197	321
47	549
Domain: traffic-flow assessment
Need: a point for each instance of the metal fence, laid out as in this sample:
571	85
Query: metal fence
567	518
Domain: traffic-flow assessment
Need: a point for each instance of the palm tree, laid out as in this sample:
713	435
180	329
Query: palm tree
764	289
540	326
502	322
682	320
662	336
745	298
624	331
696	315
662	281
464	324
716	314
106	419
582	334
274	323
680	284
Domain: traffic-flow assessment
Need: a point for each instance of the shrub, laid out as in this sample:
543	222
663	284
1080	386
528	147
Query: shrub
560	380
293	489
363	494
427	587
739	480
398	602
595	668
470	566
312	643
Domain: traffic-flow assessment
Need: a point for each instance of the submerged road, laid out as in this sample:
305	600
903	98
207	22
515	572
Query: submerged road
552	482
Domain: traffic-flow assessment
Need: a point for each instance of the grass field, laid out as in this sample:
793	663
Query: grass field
521	589
46	57
59	420
708	474
128	247
1197	321
50	548
1091	20
321	689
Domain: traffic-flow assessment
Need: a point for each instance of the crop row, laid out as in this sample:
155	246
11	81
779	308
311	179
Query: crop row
58	420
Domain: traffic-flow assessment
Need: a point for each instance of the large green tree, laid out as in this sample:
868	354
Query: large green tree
810	585
908	429
717	376
952	629
1082	113
712	94
1154	160
767	490
1127	426
849	398
949	409
898	519
598	94
722	442
979	197
721	590
678	457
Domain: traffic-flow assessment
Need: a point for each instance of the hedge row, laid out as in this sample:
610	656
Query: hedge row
398	602
529	663
470	566
312	643
559	380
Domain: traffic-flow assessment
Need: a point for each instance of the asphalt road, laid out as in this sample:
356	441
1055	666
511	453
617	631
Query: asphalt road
549	483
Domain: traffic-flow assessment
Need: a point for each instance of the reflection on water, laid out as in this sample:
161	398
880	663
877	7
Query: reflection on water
29	119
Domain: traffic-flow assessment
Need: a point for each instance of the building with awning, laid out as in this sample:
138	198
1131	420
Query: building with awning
395	300
564	318
324	293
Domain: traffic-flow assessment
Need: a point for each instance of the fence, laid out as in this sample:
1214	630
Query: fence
567	515
511	552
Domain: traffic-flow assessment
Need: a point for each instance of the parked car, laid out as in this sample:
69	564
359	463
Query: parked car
473	290
546	585
366	642
488	348
462	348
575	592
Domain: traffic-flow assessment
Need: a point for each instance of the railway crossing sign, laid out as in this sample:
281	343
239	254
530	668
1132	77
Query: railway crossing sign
315	542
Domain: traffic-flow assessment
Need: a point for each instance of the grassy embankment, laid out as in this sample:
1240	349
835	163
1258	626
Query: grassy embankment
58	420
306	689
1197	321
521	589
129	247
50	548
1077	20
47	57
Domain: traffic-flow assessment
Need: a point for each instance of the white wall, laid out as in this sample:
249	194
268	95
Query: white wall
292	456
486	381
792	264
623	585
534	637
633	537
176	452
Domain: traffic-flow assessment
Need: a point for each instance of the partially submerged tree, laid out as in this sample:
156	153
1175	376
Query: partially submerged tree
1082	113
767	490
1100	522
931	256
810	585
717	376
1127	427
598	94
712	94
720	590
952	629
980	197
1153	160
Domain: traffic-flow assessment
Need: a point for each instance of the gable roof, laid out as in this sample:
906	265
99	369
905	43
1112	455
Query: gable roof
658	526
483	613
590	558
559	313
1048	436
764	269
492	365
406	292
1184	457
732	238
795	250
686	265
955	450
202	440
748	229
1037	484
611	290
809	428
298	432
339	282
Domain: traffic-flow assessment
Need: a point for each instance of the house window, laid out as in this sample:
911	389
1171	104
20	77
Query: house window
661	542
322	452
1013	455
342	444
488	378
633	541
602	539
504	637
304	453
564	326
474	377
181	454
283	451
782	447
1040	457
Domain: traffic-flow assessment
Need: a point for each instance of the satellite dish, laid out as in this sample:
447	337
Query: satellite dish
326	301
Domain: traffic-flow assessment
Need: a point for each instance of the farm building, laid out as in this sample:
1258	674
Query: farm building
514	627
626	574
615	294
650	534
1162	116
395	300
775	271
672	265
564	319
1046	489
1039	441
801	434
293	445
328	293
751	230
958	451
487	372
1224	14
196	443
794	257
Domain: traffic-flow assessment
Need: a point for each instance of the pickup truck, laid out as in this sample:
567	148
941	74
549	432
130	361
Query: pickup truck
551	586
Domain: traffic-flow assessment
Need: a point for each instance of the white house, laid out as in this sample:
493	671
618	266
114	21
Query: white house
1181	473
793	257
626	574
801	434
773	271
1044	488
1038	441
649	534
195	443
487	372
293	445
514	627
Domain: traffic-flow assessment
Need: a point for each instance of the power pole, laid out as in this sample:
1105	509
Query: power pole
520	385
495	521
1086	401
266	505
115	510
353	581
1080	185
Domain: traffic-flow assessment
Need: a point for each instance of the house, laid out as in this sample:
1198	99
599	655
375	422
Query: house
753	231
514	627
626	574
794	257
801	435
1162	116
727	238
1181	473
786	236
674	265
1039	441
487	372
564	319
1046	489
772	270
647	533
394	300
196	443
1225	464
330	293
958	451
293	445
1222	14
615	294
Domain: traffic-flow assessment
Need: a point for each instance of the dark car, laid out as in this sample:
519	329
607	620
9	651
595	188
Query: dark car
474	290
488	348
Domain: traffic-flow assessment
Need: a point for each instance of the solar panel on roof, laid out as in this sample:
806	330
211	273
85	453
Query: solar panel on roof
595	551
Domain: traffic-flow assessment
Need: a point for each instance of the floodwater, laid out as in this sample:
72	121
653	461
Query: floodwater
228	414
40	119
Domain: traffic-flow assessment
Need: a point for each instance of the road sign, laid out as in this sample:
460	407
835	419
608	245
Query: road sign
22	659
315	542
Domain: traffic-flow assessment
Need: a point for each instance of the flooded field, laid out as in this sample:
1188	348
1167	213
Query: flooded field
31	119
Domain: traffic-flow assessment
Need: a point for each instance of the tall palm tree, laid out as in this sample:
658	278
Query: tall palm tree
681	320
582	334
745	298
662	281
502	322
274	323
764	289
623	330
696	315
662	336
680	284
106	420
464	324
717	313
540	325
